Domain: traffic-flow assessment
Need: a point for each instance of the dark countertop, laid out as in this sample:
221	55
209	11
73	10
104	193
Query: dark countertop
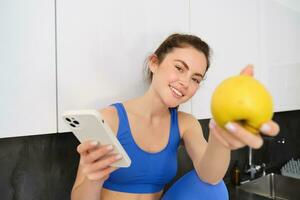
237	194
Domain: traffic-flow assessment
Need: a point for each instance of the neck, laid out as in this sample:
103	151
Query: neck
150	105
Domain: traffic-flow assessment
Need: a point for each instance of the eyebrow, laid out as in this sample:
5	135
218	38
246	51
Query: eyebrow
187	67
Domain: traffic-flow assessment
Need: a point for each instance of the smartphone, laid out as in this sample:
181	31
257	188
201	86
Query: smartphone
90	125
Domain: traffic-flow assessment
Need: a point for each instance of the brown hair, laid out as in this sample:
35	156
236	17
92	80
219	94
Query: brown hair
180	41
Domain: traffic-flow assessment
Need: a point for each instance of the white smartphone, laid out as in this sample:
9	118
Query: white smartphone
90	125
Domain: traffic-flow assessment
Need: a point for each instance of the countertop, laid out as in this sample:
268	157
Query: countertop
237	194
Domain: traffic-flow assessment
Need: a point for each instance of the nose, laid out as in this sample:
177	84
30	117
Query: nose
184	82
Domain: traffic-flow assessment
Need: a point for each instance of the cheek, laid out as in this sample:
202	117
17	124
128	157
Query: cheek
193	89
166	74
172	76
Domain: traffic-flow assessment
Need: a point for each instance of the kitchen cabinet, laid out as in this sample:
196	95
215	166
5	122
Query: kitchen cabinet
280	51
264	33
231	30
27	61
102	46
62	55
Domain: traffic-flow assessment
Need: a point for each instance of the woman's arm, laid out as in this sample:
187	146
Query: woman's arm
84	188
210	159
94	166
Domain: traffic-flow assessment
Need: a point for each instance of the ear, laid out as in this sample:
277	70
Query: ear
153	63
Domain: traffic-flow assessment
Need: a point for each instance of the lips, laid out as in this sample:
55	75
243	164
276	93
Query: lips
176	92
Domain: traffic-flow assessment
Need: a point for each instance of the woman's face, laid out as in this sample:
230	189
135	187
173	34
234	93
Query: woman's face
176	79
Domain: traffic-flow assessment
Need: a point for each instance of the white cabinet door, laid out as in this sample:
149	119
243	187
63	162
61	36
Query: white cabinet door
280	44
27	61
102	46
231	29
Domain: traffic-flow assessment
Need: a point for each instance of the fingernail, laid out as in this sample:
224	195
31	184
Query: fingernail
94	143
119	156
109	147
265	128
212	124
230	127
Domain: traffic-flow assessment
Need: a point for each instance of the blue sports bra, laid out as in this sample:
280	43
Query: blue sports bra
148	172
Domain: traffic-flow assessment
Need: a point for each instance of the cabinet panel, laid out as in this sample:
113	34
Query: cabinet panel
280	51
231	29
102	46
27	61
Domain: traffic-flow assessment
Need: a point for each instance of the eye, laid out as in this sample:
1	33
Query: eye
196	80
179	68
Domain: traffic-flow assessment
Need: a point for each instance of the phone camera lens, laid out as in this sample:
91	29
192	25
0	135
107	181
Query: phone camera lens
76	122
68	119
73	125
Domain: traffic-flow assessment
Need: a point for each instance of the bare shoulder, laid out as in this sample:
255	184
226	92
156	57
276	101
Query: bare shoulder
110	115
187	122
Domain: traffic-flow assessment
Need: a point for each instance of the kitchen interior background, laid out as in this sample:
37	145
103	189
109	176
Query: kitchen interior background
41	59
44	166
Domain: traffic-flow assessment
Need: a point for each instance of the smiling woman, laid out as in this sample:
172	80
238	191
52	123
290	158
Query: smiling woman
183	61
180	71
180	41
150	129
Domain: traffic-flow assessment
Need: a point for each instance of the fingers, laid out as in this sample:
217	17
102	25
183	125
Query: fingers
226	138
252	140
101	175
234	136
97	153
96	160
101	169
248	70
270	128
101	164
85	146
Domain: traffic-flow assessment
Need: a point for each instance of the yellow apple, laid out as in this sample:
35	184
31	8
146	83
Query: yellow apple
244	100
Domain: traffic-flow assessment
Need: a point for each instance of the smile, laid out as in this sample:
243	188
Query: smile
176	92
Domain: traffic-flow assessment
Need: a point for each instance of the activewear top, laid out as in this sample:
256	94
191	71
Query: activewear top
148	172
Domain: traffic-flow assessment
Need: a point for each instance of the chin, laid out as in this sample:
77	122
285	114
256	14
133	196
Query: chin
174	106
172	103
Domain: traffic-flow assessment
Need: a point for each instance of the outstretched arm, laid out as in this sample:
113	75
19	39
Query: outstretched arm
211	159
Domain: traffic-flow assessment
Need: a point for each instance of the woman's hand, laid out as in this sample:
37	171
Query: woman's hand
95	160
235	136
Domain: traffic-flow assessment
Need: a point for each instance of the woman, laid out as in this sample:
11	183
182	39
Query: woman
150	128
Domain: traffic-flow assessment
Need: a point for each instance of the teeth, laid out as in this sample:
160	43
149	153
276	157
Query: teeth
176	91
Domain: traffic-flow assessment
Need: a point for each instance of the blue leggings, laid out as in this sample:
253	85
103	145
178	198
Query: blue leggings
190	187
